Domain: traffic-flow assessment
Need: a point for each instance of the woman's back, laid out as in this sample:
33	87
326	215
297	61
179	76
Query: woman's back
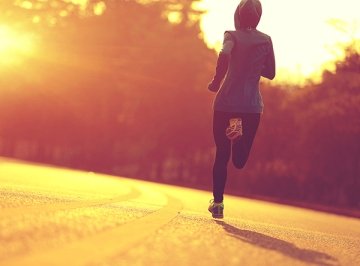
250	56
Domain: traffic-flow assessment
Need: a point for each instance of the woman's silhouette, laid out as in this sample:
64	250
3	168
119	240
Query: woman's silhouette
246	55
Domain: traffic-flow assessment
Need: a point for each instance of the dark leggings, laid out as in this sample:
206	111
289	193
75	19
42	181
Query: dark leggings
240	148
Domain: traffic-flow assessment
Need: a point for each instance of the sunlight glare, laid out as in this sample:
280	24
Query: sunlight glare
99	8
174	17
14	46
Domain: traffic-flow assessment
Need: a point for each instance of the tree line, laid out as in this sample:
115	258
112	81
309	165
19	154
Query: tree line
125	93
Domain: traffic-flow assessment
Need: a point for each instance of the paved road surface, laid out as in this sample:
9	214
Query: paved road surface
52	216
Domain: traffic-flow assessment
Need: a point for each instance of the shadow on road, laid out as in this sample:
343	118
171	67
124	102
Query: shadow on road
286	248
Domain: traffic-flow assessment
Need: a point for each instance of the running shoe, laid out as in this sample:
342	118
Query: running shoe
216	209
234	130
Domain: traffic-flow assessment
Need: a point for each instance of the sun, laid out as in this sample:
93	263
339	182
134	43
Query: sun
15	46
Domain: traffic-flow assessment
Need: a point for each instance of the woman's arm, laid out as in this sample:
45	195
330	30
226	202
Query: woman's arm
269	66
222	63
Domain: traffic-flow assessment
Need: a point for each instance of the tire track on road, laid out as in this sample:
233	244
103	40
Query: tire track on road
96	248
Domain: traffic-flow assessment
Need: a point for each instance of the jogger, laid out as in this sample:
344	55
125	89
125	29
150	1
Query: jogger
246	56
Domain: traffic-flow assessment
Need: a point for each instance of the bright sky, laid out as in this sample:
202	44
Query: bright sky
302	35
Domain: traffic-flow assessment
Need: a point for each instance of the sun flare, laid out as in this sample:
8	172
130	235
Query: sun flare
15	46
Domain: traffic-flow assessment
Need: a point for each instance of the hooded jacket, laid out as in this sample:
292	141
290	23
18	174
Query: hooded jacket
251	56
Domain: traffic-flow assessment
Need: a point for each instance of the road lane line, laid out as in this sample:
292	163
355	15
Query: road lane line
96	248
45	208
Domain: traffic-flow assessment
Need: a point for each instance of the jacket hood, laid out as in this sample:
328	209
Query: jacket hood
247	14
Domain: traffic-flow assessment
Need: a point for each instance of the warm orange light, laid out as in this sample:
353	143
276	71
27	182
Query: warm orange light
99	8
14	46
174	17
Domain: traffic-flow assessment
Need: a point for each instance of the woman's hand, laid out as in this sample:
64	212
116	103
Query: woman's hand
213	86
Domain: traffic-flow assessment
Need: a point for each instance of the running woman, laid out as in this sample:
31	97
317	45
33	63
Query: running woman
246	55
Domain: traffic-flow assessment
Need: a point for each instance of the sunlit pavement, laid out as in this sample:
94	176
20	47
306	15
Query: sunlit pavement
52	216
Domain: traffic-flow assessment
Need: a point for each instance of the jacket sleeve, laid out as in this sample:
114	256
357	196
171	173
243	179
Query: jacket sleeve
222	63
268	70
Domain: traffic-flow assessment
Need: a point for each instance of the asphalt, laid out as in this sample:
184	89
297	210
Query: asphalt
55	216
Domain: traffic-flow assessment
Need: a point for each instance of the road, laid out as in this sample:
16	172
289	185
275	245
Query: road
55	216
